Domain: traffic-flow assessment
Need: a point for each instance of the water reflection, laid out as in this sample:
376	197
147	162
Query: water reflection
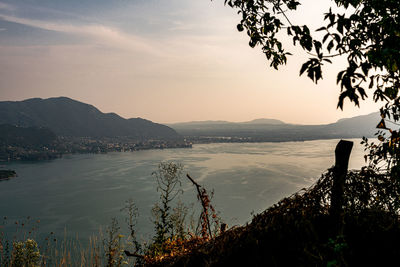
83	192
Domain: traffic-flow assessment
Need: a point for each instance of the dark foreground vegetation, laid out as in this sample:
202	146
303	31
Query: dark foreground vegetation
300	231
344	219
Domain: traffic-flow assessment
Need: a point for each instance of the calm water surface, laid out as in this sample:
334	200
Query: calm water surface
81	193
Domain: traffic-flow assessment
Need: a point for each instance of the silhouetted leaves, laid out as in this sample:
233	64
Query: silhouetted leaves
368	34
313	68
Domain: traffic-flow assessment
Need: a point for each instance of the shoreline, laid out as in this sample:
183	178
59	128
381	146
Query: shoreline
7	174
40	156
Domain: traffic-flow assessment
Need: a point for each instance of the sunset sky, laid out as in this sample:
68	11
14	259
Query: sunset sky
163	60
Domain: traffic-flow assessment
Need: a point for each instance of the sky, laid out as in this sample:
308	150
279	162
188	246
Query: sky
163	60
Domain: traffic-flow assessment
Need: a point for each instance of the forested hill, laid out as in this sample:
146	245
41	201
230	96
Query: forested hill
25	137
68	117
274	130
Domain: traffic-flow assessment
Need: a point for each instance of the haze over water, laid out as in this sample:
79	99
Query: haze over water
81	193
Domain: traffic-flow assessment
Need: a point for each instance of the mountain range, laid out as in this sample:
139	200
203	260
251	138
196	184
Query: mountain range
275	130
68	117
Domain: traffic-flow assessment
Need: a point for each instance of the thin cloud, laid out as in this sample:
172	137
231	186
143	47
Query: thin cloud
107	36
181	26
7	7
179	48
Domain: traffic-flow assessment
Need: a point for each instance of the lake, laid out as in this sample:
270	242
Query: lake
81	193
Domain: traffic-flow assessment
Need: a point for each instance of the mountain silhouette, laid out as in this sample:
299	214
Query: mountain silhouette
68	117
266	130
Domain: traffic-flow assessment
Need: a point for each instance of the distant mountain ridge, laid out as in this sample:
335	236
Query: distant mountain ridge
212	122
264	121
68	117
274	130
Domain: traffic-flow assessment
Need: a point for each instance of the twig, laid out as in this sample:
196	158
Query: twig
283	13
199	194
130	254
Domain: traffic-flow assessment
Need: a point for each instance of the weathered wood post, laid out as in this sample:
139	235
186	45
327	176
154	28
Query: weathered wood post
342	156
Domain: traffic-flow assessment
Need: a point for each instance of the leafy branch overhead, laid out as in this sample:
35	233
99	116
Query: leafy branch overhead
366	32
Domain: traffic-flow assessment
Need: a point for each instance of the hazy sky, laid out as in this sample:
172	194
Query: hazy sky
163	60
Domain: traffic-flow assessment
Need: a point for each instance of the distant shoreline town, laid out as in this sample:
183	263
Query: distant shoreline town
75	145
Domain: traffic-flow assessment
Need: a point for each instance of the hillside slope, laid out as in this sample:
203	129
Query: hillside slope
68	117
26	137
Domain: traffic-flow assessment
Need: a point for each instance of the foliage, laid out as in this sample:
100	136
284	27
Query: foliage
174	236
208	215
385	153
22	250
113	249
178	220
25	248
174	247
25	253
168	181
338	245
31	137
131	221
301	226
365	32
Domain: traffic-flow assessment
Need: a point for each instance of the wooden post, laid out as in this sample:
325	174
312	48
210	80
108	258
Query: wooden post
342	156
